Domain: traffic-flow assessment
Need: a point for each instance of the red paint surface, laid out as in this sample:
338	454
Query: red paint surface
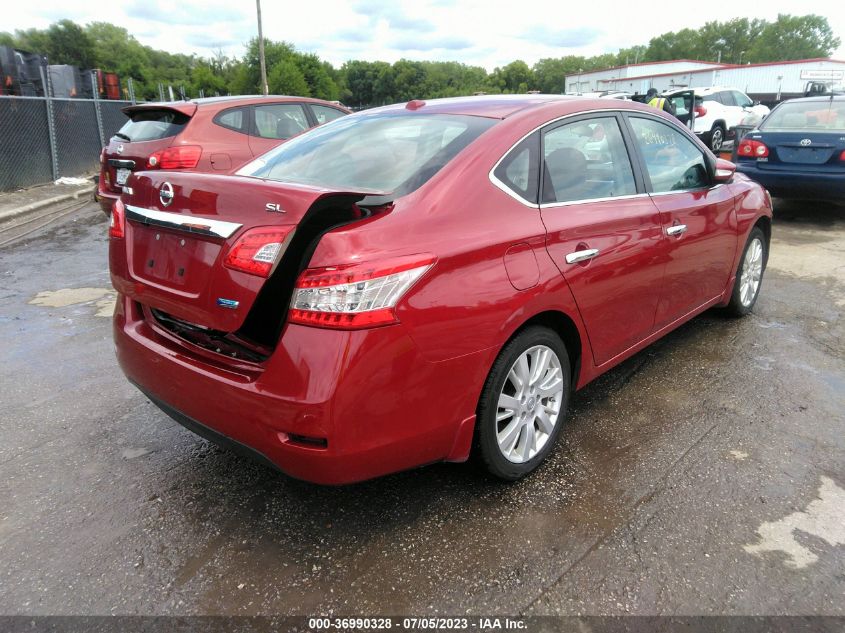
403	395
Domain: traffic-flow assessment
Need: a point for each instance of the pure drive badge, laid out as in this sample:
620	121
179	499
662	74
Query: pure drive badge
227	303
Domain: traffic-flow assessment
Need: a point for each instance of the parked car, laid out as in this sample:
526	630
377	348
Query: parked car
719	111
215	134
799	150
408	284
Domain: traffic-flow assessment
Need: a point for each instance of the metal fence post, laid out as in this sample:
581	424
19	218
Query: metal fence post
51	124
97	106
131	91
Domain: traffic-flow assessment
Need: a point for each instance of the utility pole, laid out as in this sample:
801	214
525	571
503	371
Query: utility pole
261	51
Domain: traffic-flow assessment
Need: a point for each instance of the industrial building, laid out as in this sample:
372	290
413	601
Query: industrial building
768	83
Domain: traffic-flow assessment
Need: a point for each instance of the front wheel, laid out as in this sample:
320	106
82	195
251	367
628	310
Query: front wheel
749	275
523	403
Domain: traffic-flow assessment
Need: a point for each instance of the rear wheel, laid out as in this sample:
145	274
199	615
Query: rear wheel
523	403
717	138
749	275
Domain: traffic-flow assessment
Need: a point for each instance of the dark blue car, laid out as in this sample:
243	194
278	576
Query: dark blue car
798	151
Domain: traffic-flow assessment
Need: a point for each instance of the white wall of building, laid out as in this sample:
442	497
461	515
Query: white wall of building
770	79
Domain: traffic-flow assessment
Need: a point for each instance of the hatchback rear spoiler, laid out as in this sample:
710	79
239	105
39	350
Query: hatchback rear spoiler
185	107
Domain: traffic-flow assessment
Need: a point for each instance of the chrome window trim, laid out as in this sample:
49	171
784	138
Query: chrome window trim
548	205
569	203
696	189
513	194
188	223
500	185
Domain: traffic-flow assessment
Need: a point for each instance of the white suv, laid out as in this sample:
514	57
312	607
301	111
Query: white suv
719	111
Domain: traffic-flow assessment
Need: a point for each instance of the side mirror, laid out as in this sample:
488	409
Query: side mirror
725	170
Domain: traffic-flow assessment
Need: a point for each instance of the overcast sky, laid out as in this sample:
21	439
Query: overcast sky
477	32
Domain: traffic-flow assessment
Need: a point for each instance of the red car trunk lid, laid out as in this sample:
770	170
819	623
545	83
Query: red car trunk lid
171	258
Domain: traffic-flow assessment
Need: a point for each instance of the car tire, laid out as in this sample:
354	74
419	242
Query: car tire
516	427
749	274
716	139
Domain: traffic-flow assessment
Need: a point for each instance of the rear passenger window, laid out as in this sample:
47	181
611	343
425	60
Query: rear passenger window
232	119
324	114
280	120
519	170
672	160
586	160
727	98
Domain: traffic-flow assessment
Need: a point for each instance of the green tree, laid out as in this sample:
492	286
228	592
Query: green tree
794	37
550	74
203	78
685	44
285	78
68	43
319	81
733	39
514	78
33	40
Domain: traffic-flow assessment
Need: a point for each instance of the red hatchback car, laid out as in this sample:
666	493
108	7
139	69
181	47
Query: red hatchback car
410	284
215	134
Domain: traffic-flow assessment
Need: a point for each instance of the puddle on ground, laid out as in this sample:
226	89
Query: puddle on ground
103	299
824	262
824	518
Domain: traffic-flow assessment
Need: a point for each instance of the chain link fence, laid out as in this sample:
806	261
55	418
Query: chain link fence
44	139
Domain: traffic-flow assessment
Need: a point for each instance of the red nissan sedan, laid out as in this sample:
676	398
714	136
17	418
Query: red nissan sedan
419	282
213	134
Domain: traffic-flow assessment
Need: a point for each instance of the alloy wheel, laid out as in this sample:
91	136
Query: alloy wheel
529	404
752	272
716	139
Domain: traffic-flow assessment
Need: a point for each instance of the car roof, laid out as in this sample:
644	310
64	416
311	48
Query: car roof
203	102
820	98
705	91
491	106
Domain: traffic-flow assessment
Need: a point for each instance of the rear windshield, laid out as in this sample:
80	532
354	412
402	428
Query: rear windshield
807	115
386	152
151	125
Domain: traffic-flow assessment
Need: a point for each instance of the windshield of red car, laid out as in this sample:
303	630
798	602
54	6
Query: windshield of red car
384	152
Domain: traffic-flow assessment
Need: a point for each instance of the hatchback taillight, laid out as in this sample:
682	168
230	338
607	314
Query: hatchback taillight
749	148
117	222
355	296
842	155
177	157
256	251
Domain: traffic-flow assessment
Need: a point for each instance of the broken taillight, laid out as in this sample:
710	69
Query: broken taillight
256	251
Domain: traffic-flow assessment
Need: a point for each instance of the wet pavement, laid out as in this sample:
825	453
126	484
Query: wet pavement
706	475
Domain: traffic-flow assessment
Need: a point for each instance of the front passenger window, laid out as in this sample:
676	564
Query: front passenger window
672	160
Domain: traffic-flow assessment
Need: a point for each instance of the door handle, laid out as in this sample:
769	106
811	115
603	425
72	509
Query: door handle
580	256
677	229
